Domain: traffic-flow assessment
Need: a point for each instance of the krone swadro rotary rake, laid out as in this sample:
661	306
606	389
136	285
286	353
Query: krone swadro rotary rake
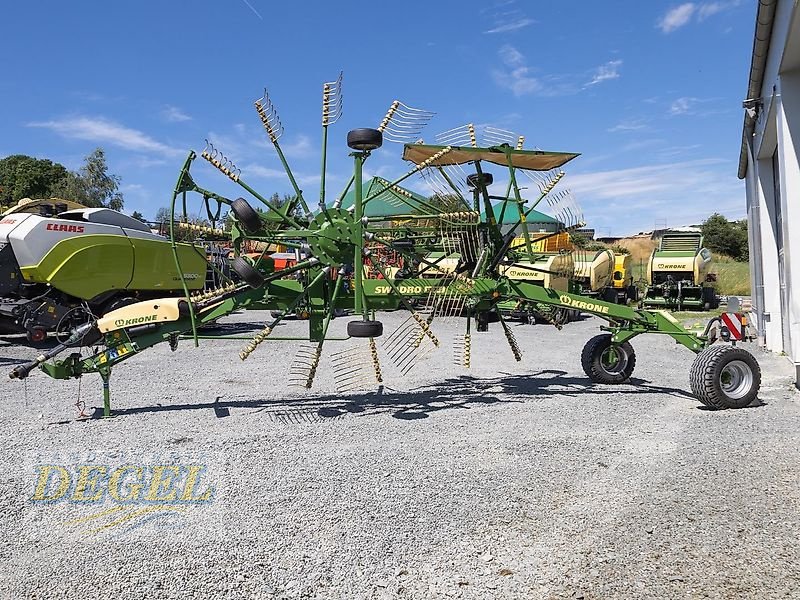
452	259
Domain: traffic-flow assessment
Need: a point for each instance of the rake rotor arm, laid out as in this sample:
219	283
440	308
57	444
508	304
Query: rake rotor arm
404	301
520	209
424	164
298	192
283	214
453	187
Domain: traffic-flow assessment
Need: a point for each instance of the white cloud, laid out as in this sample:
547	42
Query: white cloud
516	74
683	14
682	106
173	114
629	200
511	56
610	70
105	131
632	125
513	25
677	17
712	8
263	172
641	144
300	147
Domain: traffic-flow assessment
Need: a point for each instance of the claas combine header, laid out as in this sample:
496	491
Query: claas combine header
336	243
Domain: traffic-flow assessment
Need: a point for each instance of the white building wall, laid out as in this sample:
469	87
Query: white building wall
778	127
788	138
765	236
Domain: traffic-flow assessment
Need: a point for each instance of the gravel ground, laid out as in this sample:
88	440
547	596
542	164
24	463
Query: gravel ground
509	480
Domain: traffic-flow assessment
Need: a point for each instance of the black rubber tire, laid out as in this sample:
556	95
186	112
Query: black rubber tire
247	272
246	215
364	139
708	372
475	179
592	360
609	295
364	329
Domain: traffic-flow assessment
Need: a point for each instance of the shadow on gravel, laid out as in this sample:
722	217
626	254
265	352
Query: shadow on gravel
236	328
757	403
452	394
464	392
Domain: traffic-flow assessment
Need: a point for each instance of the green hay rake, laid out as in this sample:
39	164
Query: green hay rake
336	246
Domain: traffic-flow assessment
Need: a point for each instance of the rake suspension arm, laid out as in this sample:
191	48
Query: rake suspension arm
625	322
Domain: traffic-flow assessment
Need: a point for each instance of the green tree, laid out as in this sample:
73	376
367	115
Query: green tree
726	237
23	176
101	188
163	215
27	177
580	240
138	216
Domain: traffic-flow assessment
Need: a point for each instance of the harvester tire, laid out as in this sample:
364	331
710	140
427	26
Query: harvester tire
246	215
364	139
365	329
725	377
247	272
605	362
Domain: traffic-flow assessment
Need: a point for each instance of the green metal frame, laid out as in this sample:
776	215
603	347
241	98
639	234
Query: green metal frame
339	239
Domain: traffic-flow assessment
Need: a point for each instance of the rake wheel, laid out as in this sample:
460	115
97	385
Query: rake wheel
605	362
365	329
364	139
247	272
247	216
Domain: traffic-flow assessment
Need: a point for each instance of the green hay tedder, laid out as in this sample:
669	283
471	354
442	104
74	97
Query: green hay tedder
338	246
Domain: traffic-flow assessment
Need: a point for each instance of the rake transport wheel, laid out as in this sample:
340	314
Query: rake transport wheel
605	362
476	179
247	272
725	377
364	139
246	214
365	329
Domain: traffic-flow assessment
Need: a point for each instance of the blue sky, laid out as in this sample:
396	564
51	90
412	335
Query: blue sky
648	92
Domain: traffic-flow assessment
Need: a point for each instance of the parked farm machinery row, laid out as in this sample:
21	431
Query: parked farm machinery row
334	244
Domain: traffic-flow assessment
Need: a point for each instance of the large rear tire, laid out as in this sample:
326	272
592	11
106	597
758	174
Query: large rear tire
725	377
605	362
